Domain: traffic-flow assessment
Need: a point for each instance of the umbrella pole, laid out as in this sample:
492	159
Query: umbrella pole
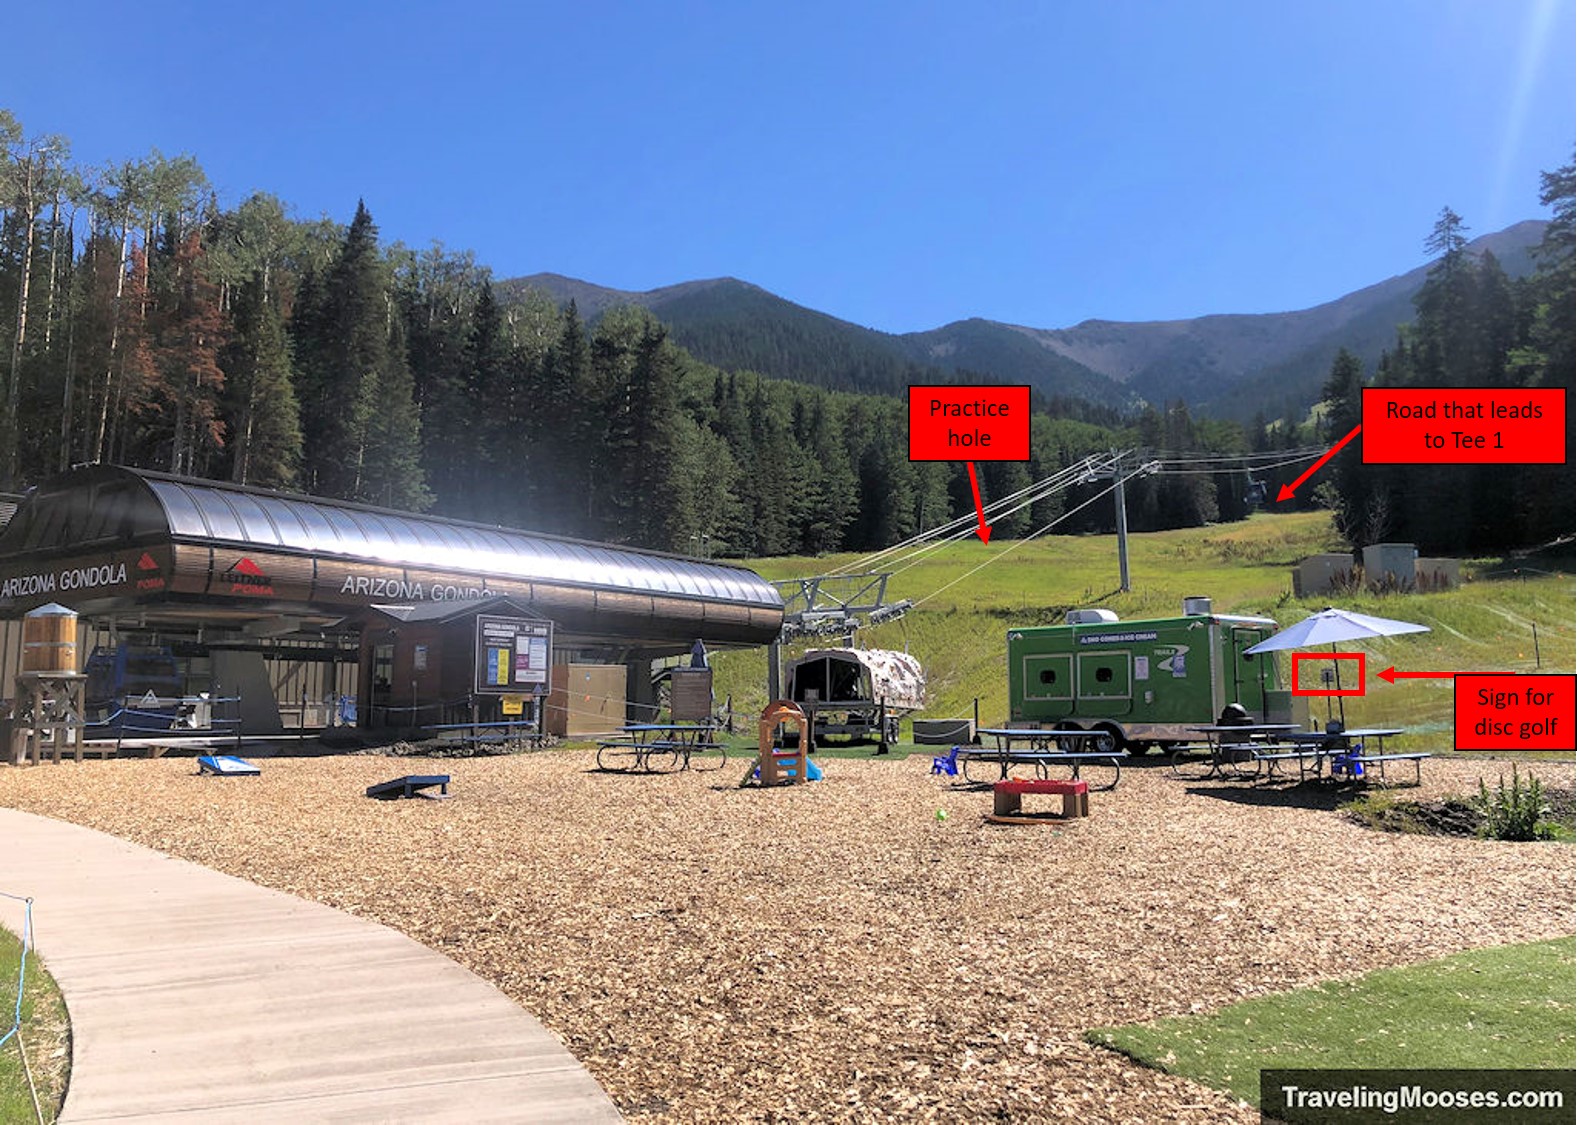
1341	700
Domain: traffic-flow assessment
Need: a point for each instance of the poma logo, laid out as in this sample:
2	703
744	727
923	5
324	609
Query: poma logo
147	580
245	577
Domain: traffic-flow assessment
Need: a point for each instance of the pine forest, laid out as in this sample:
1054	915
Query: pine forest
144	323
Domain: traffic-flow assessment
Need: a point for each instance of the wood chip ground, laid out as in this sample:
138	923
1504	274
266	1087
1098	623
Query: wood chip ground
836	951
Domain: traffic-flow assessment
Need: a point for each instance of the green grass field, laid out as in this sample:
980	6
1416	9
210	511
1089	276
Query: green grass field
1508	1007
44	1034
958	630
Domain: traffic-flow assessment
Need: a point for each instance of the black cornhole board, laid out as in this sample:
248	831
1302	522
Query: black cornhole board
411	786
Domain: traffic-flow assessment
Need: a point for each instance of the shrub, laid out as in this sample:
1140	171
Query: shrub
1515	814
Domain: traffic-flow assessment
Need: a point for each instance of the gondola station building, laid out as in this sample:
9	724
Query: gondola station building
298	605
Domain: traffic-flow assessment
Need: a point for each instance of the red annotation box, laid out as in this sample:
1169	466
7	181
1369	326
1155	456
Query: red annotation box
1506	712
954	423
1464	425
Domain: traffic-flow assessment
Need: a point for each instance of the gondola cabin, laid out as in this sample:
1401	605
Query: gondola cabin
850	691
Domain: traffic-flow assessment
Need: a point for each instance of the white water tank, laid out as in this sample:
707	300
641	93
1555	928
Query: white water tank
1090	617
1196	607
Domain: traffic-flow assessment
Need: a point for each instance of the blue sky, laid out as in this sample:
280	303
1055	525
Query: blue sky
899	165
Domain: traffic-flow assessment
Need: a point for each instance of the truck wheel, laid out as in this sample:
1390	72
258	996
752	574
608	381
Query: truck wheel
1110	741
1139	749
1069	744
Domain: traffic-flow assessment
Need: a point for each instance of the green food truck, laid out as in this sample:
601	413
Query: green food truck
1143	682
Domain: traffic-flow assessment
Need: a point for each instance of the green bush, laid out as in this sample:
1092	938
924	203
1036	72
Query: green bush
1515	814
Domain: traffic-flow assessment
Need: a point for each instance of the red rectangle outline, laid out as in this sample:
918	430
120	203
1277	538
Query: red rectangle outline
1373	434
909	417
1361	689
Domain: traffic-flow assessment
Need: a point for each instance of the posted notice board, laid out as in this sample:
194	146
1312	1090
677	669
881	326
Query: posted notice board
513	655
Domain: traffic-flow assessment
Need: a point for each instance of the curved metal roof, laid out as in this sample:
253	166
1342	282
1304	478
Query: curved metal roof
215	512
315	526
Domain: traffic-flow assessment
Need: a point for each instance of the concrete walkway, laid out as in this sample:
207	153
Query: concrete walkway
198	997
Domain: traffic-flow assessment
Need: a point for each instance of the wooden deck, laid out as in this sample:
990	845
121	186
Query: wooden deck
198	997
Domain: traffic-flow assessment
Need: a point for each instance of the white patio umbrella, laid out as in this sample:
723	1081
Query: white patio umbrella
1331	626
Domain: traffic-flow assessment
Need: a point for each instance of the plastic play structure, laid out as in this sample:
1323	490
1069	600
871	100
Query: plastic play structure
783	765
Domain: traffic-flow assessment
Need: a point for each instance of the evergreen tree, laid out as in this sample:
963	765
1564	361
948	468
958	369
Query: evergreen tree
265	421
359	418
392	472
566	420
1360	509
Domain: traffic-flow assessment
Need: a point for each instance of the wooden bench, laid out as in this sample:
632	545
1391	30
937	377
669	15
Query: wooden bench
1007	800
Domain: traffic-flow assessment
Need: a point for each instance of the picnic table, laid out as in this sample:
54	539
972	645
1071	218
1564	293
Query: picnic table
1346	751
1241	752
1232	750
1045	749
649	747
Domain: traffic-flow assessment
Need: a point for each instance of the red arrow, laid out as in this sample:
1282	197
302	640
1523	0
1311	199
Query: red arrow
1391	675
984	530
1288	489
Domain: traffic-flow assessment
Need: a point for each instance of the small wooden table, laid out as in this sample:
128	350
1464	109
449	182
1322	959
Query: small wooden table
1007	800
49	713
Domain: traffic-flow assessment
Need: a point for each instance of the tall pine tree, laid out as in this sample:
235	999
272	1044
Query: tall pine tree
360	422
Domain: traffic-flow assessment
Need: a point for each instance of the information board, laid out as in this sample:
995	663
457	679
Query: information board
513	655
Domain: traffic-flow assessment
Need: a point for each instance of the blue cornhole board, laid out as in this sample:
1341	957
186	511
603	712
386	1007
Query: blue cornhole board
412	786
226	765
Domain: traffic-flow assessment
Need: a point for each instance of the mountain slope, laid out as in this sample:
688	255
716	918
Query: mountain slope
1229	365
738	326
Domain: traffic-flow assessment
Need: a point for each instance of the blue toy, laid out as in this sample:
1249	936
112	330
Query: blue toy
947	765
812	771
1348	764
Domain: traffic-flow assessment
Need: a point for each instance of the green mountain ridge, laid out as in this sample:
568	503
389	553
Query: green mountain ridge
1228	365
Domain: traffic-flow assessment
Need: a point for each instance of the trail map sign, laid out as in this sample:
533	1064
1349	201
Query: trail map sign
512	655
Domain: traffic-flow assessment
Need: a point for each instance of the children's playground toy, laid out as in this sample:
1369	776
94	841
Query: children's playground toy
783	765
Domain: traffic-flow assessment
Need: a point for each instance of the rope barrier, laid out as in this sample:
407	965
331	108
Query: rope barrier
21	969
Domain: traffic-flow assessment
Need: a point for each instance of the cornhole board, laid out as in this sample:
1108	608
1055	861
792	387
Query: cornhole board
226	765
416	785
